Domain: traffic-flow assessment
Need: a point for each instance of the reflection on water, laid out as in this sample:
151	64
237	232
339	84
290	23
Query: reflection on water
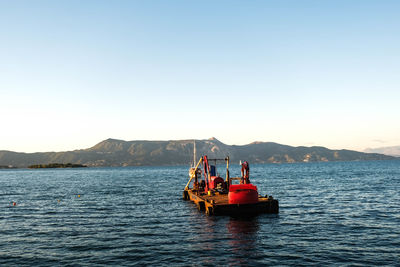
243	238
223	240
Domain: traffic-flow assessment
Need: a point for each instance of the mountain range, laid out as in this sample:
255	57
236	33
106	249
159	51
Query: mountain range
112	152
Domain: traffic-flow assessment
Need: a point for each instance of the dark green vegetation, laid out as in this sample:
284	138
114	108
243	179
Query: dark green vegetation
113	152
56	165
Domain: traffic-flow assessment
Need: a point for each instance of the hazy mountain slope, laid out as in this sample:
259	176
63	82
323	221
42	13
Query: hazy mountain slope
112	152
389	150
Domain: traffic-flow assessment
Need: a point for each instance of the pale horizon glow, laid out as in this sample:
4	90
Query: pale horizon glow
300	73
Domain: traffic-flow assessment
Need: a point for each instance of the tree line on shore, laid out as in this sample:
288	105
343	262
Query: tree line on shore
56	165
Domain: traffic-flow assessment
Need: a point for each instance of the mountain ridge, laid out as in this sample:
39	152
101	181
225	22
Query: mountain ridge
115	152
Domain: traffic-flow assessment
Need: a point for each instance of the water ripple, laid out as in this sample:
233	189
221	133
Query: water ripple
330	214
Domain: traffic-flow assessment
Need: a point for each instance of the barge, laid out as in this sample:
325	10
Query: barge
230	196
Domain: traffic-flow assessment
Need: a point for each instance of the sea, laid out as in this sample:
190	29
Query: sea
331	214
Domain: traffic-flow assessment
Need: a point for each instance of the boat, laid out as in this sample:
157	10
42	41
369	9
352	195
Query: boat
230	196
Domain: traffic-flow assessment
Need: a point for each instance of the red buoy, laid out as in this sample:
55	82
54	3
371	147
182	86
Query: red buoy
242	194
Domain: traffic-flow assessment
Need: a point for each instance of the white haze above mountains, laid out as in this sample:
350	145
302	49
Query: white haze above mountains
389	150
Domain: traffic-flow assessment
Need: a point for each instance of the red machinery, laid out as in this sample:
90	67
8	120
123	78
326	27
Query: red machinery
212	180
243	193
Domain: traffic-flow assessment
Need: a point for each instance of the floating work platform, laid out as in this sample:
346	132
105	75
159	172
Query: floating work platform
218	204
218	197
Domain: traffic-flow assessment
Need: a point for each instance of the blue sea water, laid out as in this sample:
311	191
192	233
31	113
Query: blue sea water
334	213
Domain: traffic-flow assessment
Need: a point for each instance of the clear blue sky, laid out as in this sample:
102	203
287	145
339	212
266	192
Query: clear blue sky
73	73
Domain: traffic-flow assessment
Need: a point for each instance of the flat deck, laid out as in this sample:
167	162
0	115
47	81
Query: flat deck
218	204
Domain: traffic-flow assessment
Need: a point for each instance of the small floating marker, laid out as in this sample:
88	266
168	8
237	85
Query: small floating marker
14	204
79	195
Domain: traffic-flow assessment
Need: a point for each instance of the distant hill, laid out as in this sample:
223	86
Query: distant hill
389	150
112	152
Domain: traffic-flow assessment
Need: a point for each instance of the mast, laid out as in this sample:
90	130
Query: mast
194	152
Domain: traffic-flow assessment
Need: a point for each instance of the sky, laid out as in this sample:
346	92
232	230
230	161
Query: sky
300	73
